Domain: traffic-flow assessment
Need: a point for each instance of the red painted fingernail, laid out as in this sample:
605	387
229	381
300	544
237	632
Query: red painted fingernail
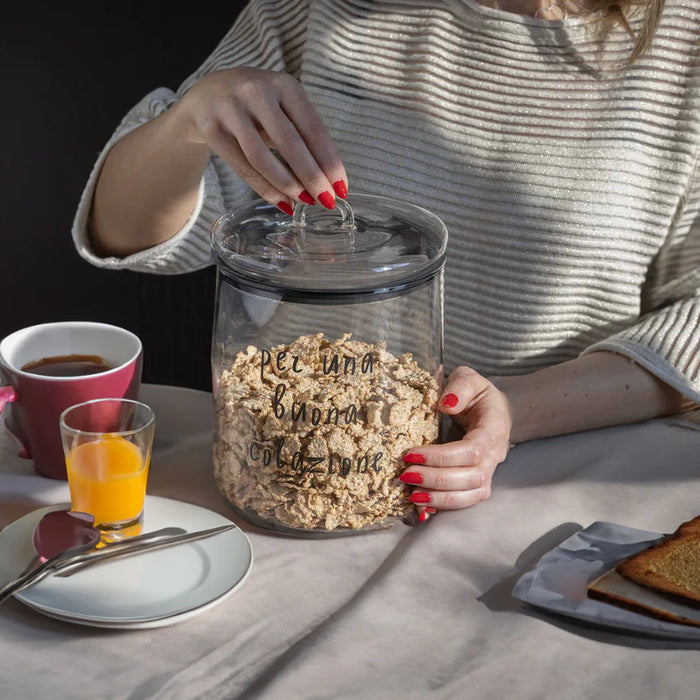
326	198
450	400
413	458
340	188
305	197
423	515
420	497
412	478
428	509
285	207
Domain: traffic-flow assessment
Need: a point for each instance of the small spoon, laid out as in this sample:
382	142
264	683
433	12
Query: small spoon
62	531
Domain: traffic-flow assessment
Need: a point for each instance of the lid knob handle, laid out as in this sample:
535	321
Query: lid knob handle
347	217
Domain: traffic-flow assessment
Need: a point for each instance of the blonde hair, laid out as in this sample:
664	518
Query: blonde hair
618	11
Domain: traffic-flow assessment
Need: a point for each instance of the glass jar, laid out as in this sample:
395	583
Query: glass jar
326	360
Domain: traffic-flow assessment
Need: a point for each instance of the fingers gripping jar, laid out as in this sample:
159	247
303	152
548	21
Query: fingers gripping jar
326	359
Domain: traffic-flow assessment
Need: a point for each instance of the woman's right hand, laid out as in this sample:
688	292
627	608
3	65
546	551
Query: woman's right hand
245	114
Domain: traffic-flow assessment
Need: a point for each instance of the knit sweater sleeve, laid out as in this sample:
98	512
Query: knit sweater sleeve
264	35
666	339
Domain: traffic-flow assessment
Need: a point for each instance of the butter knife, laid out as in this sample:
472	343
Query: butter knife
167	537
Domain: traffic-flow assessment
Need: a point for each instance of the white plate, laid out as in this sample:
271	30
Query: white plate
152	589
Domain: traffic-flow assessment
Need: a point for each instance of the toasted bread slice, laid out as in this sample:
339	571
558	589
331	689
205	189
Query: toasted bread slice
672	566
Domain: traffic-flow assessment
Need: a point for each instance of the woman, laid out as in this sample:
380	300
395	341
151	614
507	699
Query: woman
559	142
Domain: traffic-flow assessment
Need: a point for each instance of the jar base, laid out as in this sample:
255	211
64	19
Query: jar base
286	530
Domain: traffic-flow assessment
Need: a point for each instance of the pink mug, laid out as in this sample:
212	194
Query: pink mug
37	401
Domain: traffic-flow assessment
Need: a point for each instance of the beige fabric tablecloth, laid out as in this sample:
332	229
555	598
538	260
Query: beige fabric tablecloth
403	613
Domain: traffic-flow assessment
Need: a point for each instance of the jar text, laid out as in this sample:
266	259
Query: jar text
332	364
299	414
301	464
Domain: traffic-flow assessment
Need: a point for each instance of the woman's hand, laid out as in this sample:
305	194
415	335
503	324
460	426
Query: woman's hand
458	474
263	125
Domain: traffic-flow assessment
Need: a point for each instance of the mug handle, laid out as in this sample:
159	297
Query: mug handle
8	395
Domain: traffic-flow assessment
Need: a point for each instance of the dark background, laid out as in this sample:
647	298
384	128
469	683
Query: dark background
69	71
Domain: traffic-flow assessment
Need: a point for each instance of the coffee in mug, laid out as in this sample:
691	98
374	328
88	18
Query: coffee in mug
67	366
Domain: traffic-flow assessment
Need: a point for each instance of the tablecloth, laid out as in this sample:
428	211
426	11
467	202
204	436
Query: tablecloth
408	612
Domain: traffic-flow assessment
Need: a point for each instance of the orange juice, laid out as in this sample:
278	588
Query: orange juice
107	478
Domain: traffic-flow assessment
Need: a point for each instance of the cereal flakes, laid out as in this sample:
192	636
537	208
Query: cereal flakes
310	434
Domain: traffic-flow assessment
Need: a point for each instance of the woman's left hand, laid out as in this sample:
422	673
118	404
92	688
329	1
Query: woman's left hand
458	474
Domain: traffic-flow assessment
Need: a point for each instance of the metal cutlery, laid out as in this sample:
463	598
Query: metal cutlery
76	558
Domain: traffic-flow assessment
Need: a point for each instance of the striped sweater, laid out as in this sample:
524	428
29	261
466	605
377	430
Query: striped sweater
569	181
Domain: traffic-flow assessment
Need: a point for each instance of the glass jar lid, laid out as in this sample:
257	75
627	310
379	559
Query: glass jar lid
367	245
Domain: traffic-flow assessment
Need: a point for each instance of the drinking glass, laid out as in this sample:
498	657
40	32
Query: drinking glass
107	445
